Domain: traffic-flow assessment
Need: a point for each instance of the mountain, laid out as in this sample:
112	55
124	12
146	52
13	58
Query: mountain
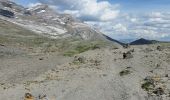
143	41
44	30
45	21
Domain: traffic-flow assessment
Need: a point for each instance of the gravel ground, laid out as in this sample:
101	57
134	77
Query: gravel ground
54	77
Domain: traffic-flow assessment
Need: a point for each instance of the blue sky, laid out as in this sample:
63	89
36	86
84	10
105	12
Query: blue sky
25	2
143	5
127	5
120	19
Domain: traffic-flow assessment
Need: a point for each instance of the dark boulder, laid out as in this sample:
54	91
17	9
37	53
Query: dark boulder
159	91
127	55
159	48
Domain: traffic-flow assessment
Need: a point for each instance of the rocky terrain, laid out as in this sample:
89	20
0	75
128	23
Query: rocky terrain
101	74
58	57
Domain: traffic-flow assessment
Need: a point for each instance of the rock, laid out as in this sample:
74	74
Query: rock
97	62
41	58
166	75
158	65
127	55
79	59
159	48
2	45
125	72
151	71
42	97
159	91
28	96
128	67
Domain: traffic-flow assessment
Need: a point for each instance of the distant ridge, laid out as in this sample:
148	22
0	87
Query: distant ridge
143	41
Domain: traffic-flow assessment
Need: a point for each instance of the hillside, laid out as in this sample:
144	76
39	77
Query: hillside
143	41
43	20
44	30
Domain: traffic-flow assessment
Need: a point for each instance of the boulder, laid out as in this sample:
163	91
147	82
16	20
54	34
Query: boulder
79	59
127	55
28	96
159	48
159	91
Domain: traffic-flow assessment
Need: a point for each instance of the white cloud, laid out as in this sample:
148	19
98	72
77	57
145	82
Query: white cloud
87	9
119	28
72	12
133	20
33	4
156	14
137	26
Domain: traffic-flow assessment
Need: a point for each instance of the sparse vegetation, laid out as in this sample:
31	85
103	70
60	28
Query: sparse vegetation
124	72
83	46
153	85
19	37
147	86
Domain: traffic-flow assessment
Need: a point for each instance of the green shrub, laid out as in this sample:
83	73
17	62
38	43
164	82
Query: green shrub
82	47
147	86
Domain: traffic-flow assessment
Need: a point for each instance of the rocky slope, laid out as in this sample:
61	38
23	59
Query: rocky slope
44	20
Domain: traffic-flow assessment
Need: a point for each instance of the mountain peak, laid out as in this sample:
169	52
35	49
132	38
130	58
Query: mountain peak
143	41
